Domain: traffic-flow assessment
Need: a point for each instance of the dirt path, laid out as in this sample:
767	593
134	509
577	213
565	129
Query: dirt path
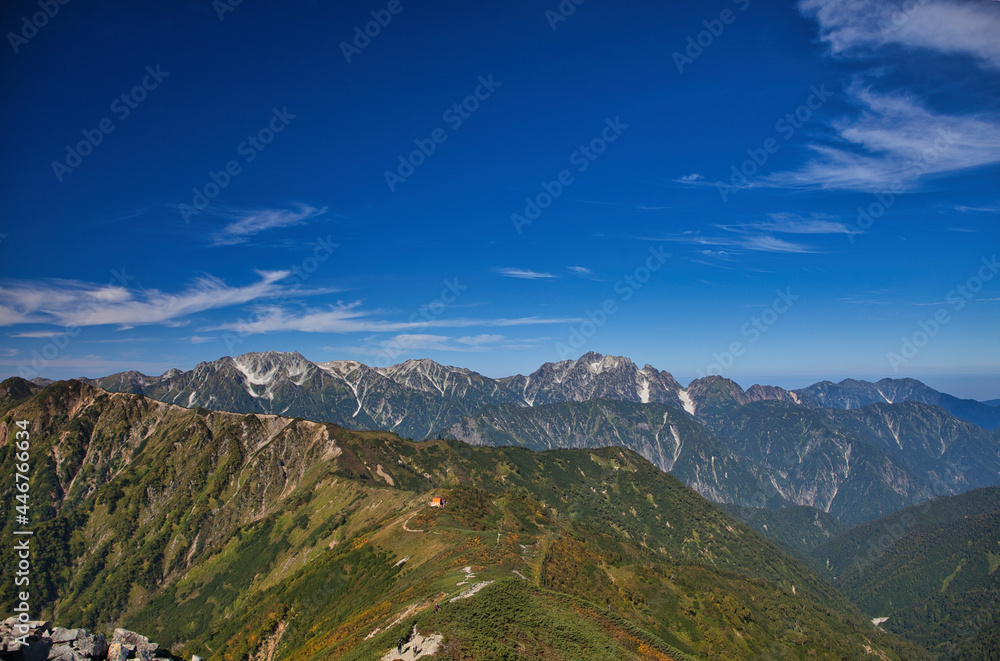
410	610
417	647
406	524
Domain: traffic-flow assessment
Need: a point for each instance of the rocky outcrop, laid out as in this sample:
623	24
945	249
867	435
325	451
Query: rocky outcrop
38	641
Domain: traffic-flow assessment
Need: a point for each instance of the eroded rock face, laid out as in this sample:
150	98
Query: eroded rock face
42	642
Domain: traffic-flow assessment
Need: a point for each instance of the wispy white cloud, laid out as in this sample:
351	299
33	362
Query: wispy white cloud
760	236
767	243
585	273
247	223
969	300
123	340
406	343
790	223
897	138
525	274
739	243
481	339
965	209
36	334
893	143
858	27
74	303
352	318
690	178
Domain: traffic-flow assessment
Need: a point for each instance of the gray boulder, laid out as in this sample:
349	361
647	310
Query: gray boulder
65	653
93	646
134	640
60	635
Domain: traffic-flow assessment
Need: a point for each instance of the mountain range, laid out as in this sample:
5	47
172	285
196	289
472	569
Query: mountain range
857	450
235	536
417	397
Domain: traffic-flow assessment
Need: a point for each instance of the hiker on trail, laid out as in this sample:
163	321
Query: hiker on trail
399	646
437	607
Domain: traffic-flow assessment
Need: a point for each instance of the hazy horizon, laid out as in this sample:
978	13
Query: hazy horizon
981	387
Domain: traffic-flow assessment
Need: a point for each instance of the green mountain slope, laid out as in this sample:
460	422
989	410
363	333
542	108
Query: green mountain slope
229	535
869	542
932	570
798	530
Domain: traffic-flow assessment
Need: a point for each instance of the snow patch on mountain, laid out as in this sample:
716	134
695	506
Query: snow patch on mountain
530	401
252	372
686	401
677	440
339	368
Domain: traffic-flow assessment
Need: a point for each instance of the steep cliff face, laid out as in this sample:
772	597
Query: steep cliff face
664	435
770	452
595	376
150	486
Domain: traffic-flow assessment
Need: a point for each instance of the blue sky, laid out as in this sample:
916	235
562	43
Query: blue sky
778	192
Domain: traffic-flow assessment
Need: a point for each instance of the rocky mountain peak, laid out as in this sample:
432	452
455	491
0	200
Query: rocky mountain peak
264	367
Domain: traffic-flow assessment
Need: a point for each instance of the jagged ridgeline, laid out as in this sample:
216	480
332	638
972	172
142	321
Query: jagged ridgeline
762	447
230	535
